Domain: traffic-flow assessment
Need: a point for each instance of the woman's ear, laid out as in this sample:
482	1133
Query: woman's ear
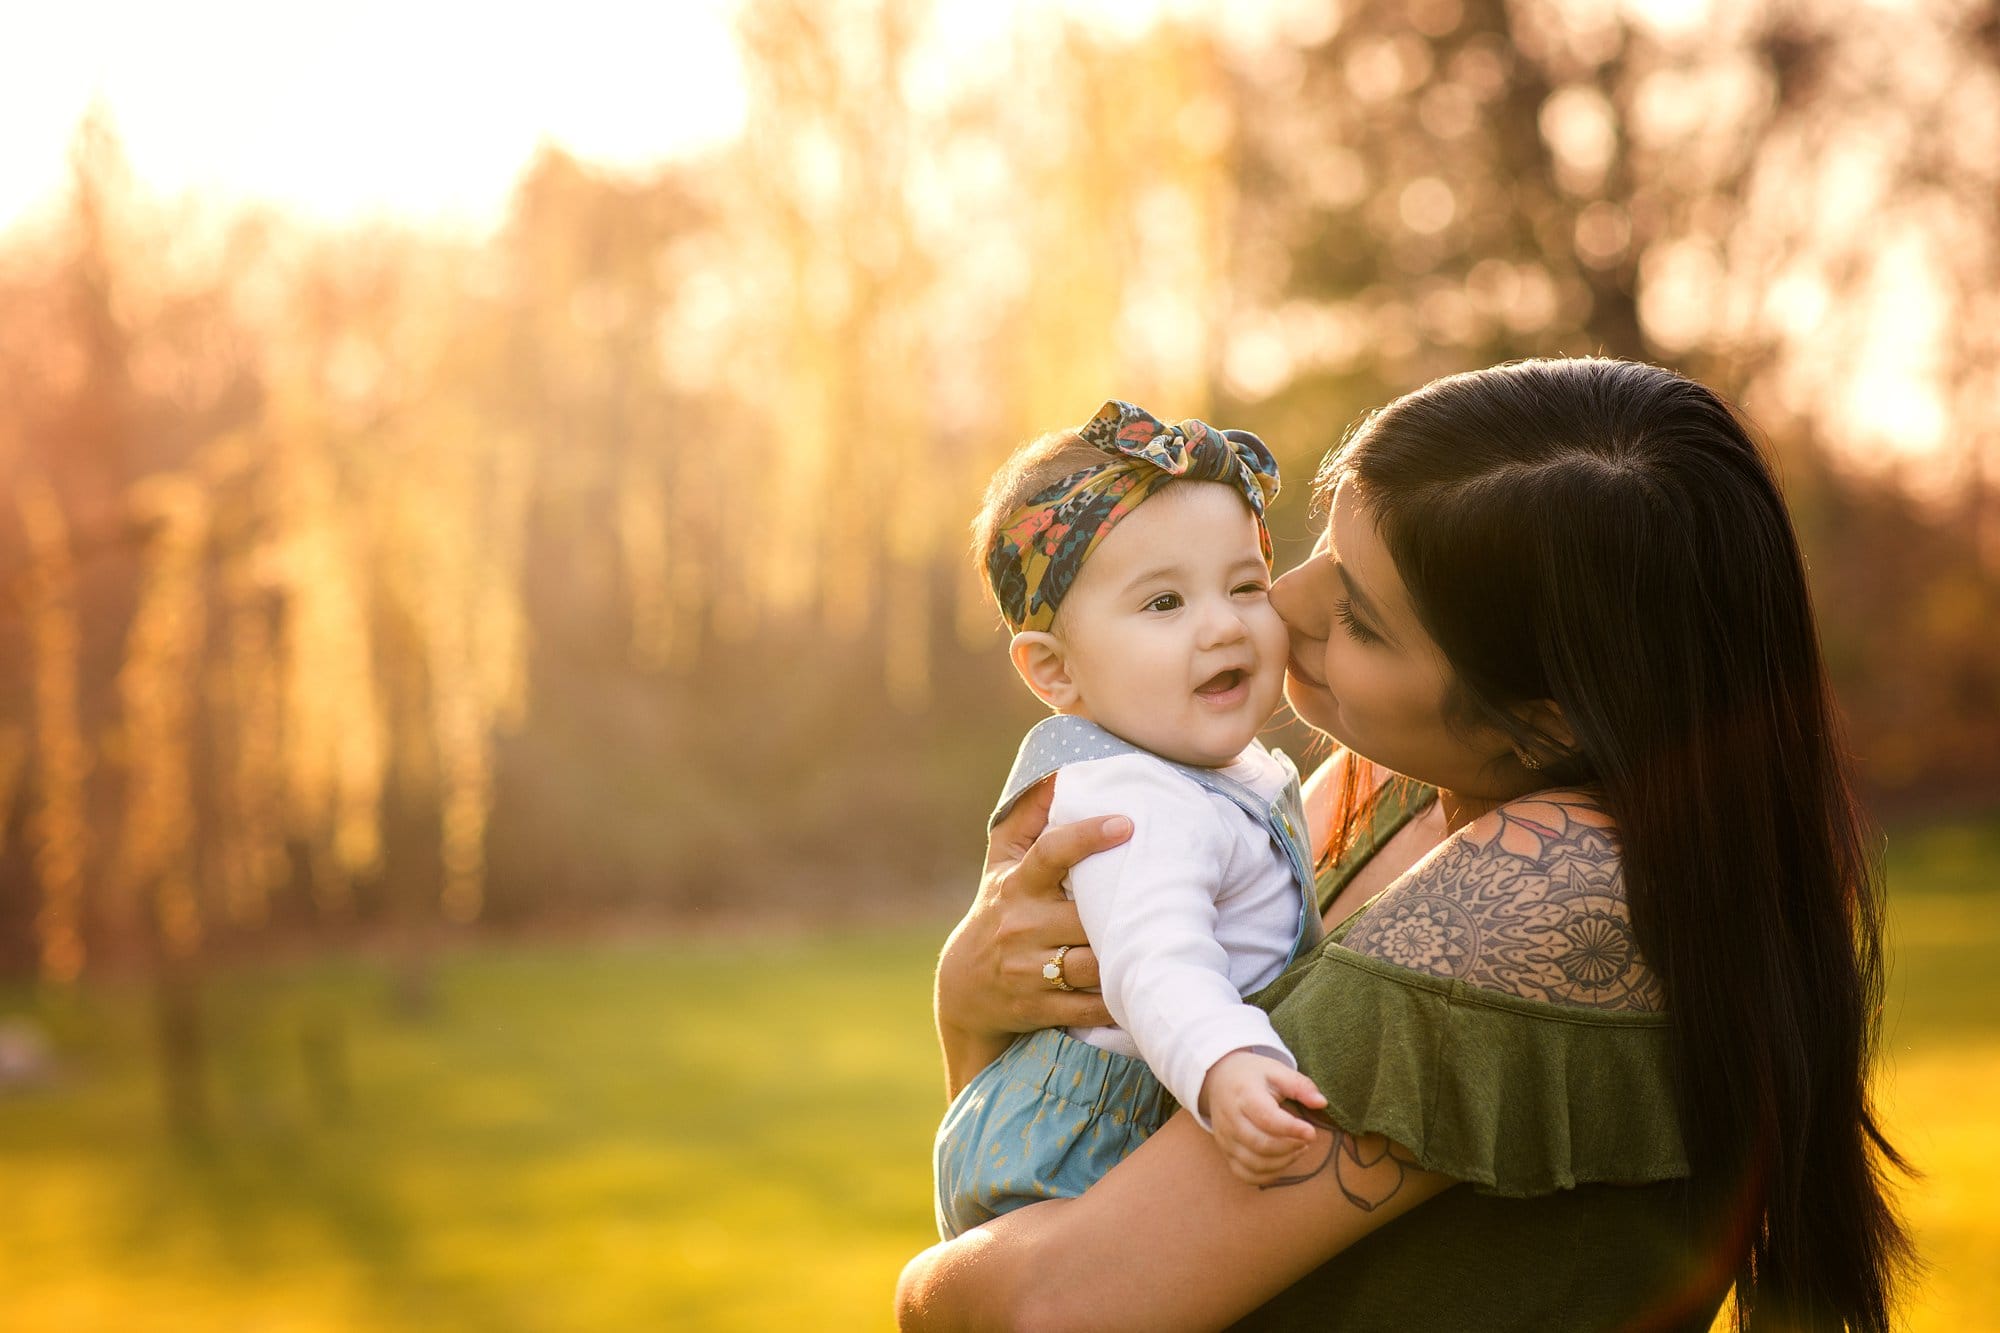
1042	661
1546	717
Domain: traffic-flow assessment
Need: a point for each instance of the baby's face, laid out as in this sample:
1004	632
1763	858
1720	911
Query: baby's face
1168	631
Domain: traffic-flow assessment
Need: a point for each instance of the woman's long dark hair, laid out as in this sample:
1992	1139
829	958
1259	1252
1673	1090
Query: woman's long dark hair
1606	534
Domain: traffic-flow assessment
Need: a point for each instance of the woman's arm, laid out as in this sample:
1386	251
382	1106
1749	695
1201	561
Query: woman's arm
1169	1239
990	986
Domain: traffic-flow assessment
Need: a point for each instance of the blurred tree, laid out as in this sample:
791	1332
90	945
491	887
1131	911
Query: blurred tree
1436	186
616	563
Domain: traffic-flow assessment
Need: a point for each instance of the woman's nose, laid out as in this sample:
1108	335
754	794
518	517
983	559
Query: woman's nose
1291	598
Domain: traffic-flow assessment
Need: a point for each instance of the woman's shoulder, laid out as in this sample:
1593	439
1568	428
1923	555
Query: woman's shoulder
1527	900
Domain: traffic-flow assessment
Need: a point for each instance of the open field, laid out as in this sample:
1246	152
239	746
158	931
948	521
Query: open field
689	1136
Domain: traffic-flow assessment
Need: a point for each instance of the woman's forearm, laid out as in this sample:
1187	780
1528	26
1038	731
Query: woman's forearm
1169	1240
976	1282
965	1054
968	1046
966	1051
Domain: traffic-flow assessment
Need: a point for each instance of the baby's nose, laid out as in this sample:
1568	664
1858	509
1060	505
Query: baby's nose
1223	623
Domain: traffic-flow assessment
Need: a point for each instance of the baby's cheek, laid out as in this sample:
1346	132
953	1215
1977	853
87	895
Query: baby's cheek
1274	647
1273	639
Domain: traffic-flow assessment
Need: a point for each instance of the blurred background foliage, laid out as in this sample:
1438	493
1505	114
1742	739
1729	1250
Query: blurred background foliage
360	576
367	582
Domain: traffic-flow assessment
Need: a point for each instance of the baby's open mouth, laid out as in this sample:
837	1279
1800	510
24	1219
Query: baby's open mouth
1222	682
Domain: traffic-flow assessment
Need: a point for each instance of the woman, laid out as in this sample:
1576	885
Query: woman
1596	1013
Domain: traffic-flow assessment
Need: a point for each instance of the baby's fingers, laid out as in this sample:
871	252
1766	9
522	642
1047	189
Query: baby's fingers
1278	1124
1256	1130
1291	1083
1264	1168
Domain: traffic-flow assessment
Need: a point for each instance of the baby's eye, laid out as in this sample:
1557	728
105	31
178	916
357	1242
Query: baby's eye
1254	589
1166	601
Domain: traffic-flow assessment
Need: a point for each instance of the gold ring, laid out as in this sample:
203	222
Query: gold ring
1052	970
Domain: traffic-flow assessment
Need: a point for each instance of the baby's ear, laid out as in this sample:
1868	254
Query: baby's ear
1041	660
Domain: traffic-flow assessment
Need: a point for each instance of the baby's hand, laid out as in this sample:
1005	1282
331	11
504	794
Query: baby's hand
1241	1097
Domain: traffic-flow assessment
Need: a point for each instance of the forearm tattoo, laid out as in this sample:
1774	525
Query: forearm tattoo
1369	1168
1528	900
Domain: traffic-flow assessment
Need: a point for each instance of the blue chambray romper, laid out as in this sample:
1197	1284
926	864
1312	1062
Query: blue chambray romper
1053	1114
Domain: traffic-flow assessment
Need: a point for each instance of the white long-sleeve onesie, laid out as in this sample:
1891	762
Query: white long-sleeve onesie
1195	910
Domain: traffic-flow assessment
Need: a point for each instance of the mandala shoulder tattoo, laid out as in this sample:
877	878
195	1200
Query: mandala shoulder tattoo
1528	900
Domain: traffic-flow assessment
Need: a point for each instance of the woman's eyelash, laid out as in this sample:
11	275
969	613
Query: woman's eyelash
1343	610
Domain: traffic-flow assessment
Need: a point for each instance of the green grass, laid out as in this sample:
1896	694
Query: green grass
1939	1089
654	1135
581	1137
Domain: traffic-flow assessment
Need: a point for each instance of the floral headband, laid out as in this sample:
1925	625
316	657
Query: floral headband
1037	555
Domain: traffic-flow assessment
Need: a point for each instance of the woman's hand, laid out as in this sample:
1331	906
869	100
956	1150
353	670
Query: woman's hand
990	983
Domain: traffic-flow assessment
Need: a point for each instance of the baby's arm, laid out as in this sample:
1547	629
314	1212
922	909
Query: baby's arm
1149	909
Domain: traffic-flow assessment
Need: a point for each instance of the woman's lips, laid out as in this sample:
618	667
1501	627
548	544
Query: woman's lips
1293	668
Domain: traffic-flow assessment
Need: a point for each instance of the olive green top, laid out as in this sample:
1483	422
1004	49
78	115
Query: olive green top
1576	1210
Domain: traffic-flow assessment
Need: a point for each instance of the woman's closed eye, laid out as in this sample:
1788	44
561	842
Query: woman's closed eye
1343	611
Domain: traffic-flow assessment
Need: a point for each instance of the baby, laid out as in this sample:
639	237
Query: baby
1131	560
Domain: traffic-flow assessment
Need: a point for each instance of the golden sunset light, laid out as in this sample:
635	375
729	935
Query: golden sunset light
533	536
342	112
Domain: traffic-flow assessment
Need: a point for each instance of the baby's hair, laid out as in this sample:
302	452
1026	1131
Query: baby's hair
1034	467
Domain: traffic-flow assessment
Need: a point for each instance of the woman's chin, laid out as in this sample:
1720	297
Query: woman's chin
1313	706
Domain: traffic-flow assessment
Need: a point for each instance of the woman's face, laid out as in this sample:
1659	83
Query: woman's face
1363	670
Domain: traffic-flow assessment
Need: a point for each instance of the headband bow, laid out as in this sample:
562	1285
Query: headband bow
1037	555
